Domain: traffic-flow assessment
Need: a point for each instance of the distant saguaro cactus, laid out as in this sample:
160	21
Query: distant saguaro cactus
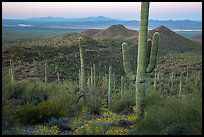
172	81
94	75
11	72
57	72
45	72
82	71
110	87
180	86
146	60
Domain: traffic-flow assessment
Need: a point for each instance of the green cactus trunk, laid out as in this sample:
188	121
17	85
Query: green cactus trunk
187	75
158	75
79	76
180	86
142	60
82	70
11	72
45	72
92	79
122	88
155	78
88	82
146	60
94	75
58	76
172	81
110	87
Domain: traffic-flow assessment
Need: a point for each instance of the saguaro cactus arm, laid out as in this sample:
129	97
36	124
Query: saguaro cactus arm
126	62
149	45
153	54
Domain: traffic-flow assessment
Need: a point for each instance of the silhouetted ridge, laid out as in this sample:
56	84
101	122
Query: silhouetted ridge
114	31
170	40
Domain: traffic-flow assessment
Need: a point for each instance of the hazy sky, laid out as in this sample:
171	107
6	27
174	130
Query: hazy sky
117	10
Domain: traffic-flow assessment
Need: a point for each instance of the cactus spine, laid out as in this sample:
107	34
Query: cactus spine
146	59
110	87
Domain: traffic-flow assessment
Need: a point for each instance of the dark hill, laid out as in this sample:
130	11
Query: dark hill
91	32
114	31
173	42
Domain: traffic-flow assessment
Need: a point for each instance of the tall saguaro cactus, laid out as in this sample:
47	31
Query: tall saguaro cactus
146	59
82	70
110	87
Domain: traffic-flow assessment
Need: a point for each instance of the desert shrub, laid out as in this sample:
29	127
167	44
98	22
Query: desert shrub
25	91
6	84
35	91
65	96
42	112
170	116
10	125
94	101
124	106
16	90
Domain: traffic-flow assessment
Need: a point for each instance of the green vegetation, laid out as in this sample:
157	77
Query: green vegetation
44	82
169	115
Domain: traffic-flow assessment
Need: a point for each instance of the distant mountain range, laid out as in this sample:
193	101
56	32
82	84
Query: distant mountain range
99	22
